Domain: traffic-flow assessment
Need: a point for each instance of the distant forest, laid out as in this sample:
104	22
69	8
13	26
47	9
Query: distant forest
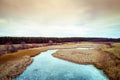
18	40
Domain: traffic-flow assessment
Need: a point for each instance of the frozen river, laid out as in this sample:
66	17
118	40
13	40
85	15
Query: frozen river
47	67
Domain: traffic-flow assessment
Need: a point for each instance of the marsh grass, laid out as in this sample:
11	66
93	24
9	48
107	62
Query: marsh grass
113	71
17	55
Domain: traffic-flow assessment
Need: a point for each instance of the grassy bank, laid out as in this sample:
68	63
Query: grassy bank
104	56
113	71
17	55
32	52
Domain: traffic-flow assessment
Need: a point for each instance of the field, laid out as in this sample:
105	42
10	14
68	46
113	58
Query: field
104	55
114	70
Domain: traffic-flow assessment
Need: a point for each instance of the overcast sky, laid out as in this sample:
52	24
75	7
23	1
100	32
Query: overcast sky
60	18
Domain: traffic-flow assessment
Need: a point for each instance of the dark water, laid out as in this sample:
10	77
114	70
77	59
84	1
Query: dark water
46	67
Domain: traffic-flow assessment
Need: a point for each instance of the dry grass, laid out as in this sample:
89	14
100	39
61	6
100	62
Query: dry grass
95	45
32	52
113	71
105	57
16	55
115	50
12	69
64	46
92	56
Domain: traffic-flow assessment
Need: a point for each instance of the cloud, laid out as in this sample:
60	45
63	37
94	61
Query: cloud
59	17
3	21
59	11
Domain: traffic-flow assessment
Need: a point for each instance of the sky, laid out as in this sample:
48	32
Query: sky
60	18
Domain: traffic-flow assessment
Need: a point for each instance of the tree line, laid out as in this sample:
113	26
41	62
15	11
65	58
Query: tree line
18	40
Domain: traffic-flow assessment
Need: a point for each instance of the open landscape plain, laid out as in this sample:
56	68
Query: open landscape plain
103	55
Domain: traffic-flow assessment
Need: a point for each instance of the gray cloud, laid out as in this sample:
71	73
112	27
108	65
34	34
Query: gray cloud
58	15
58	7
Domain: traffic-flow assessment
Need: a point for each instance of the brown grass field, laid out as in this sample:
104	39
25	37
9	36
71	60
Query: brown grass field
103	56
32	52
13	56
113	71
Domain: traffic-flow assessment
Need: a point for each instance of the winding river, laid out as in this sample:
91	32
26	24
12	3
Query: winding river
47	67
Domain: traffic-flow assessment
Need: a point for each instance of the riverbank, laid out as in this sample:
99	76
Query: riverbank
103	57
113	71
11	69
89	56
68	51
13	64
